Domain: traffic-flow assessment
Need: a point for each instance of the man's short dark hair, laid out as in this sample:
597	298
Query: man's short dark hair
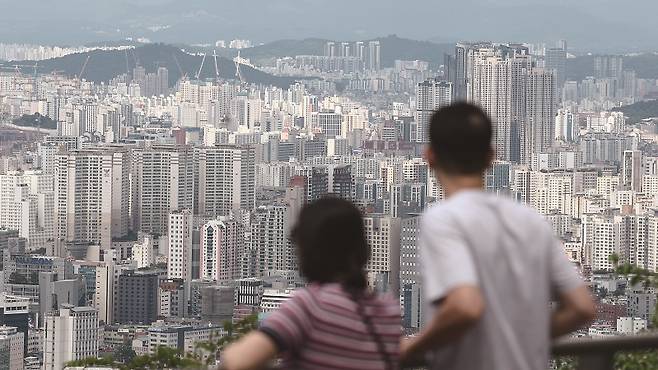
460	137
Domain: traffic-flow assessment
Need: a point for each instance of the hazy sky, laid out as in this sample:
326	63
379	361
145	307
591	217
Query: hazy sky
587	24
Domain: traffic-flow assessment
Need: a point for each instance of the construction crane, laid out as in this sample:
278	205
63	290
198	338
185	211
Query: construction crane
84	66
198	74
183	75
238	61
214	55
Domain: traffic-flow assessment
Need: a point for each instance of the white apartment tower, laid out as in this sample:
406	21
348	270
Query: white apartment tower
179	264
220	250
652	243
491	89
71	333
27	205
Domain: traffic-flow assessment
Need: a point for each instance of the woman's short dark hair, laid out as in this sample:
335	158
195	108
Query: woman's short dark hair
331	243
460	137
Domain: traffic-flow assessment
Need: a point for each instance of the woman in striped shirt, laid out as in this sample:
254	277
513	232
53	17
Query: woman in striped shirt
335	322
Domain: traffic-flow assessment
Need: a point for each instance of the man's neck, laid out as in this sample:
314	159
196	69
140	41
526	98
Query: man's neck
455	184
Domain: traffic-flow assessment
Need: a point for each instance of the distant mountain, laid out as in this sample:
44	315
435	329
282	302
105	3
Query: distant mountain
644	65
640	110
392	48
105	65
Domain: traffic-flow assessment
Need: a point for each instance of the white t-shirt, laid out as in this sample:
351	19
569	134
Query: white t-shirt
509	251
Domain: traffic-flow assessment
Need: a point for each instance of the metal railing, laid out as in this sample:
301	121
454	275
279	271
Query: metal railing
599	354
589	354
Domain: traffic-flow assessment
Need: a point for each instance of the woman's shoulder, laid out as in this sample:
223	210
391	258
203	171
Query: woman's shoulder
336	294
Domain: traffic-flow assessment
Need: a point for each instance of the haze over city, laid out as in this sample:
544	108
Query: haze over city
590	25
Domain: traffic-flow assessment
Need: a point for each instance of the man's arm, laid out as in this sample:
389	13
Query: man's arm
461	308
576	308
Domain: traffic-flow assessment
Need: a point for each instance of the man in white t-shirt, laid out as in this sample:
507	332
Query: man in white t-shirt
490	265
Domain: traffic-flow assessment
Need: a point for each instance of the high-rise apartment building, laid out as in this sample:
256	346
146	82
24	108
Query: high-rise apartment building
221	243
269	239
179	260
631	170
92	196
556	60
374	56
226	179
538	132
431	95
608	66
492	91
27	205
383	235
410	279
163	181
71	333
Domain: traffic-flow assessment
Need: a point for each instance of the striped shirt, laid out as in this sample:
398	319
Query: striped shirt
320	328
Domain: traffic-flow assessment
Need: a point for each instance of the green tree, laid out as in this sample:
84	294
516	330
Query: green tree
92	361
124	353
164	358
208	351
640	360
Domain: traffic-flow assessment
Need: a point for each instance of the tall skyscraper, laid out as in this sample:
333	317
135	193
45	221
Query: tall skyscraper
345	49
463	67
410	280
226	179
71	333
431	95
492	91
556	61
163	181
541	105
92	196
374	56
631	171
269	239
221	250
360	50
330	49
179	261
163	81
608	66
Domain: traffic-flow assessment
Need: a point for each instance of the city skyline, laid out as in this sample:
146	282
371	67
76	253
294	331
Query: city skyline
149	188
